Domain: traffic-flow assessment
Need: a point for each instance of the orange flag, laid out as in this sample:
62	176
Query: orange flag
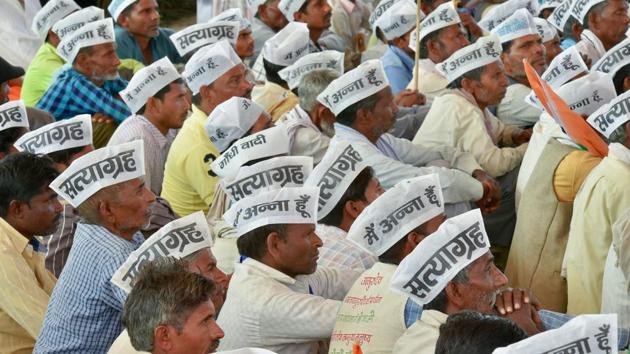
575	126
356	349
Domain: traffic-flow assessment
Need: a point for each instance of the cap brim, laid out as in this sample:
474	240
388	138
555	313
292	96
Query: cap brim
8	71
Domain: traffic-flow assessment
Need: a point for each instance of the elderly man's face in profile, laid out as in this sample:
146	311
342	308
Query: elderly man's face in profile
233	84
484	282
130	206
100	62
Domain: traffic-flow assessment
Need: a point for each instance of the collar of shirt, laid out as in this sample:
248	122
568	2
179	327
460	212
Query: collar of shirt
16	239
344	132
433	318
429	66
551	129
328	232
198	115
161	139
347	5
620	152
487	116
267	271
407	61
589	36
51	51
299	116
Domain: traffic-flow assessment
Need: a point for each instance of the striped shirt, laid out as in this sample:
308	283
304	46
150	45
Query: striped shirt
85	309
25	287
58	244
156	147
337	252
72	93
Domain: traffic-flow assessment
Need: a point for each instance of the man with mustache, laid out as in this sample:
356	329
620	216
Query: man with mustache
27	208
461	119
139	35
519	44
214	74
279	299
92	84
170	310
85	309
605	24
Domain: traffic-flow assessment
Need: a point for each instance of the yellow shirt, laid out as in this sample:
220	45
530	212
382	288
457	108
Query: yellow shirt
25	287
571	173
189	182
275	99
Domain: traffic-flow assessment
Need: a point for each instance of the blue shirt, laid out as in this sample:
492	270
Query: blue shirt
161	46
72	93
567	43
85	308
398	67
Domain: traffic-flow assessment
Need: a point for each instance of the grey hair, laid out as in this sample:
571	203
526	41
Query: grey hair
619	135
191	258
312	84
440	301
165	293
89	209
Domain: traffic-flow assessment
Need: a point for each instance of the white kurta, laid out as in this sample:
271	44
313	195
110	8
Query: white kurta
514	110
268	309
431	83
305	139
394	160
545	129
604	196
590	46
421	338
615	291
456	122
122	345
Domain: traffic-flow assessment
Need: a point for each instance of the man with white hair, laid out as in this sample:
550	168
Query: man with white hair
92	84
214	74
106	187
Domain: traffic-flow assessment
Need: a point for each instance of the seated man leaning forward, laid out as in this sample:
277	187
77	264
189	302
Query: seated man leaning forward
214	74
364	115
85	307
404	216
291	303
460	119
92	84
472	283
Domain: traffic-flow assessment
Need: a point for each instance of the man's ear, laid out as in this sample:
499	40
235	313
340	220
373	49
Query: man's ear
81	61
399	42
123	21
507	64
577	29
162	338
274	246
352	209
105	212
152	105
16	209
455	294
626	84
206	93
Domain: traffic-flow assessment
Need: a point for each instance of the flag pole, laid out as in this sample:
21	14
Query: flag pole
416	74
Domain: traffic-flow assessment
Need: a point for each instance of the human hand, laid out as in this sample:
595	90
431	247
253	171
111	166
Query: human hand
491	192
511	300
102	118
521	136
409	98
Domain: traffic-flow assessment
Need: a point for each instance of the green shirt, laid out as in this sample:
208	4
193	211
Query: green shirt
39	74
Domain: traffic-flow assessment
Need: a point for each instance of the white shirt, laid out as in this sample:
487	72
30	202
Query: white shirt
394	160
615	291
17	38
305	139
268	309
545	129
590	46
